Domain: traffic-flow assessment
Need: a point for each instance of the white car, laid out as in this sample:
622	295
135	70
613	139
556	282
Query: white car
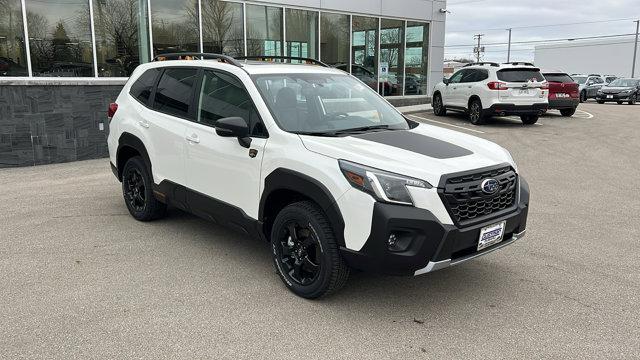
485	89
313	161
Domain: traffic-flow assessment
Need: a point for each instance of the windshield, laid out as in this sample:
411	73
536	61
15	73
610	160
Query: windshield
580	79
559	78
326	104
624	83
520	75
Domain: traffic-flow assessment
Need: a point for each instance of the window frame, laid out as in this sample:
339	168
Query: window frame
198	93
152	99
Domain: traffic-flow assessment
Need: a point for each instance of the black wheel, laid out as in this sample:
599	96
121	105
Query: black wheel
620	102
438	106
633	99
138	191
583	96
476	114
529	119
305	251
600	102
568	112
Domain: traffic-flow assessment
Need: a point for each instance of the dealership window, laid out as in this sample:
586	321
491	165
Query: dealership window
364	50
334	40
264	30
13	59
60	38
416	58
222	27
391	57
175	26
302	33
121	36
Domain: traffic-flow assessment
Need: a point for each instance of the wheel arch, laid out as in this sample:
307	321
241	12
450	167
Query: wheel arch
129	146
472	98
284	186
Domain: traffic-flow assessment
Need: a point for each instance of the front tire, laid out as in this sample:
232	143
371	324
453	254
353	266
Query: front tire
305	251
633	99
583	96
529	119
476	113
600	102
568	112
137	189
438	106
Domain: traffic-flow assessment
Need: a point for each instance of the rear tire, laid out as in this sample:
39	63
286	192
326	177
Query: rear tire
529	119
305	251
600	102
620	102
476	113
567	112
438	106
137	190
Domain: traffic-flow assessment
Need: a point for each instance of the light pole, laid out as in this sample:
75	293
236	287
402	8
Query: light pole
635	50
509	48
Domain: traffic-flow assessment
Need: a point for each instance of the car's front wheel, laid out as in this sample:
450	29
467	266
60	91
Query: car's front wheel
583	96
137	189
305	251
438	106
633	99
529	119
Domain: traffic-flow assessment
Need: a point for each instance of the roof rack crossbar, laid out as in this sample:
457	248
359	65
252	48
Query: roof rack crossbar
275	57
204	56
483	63
519	63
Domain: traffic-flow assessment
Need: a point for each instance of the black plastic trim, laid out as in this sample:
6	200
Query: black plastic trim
131	141
512	109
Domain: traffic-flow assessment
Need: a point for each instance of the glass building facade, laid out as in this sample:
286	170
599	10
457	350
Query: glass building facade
109	38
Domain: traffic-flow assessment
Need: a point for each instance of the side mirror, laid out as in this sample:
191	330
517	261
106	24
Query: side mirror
590	82
234	127
445	81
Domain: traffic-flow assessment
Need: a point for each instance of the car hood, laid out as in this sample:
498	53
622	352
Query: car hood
425	152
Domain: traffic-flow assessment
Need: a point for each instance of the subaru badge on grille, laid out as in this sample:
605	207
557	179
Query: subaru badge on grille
490	186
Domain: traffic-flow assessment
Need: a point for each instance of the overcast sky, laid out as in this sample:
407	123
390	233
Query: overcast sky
491	17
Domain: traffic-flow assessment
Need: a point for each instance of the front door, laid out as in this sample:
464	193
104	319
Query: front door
223	175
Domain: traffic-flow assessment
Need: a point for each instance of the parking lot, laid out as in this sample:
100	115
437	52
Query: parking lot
82	279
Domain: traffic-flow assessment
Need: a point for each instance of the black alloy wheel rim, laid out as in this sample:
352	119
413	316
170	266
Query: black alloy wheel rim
475	111
135	189
300	253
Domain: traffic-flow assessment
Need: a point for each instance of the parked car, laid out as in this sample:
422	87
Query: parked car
564	93
620	91
486	89
8	67
588	85
371	79
313	161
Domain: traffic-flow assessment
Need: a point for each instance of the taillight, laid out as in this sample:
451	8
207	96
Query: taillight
113	107
545	86
497	85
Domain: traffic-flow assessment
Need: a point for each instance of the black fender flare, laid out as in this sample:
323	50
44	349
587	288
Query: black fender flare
128	140
286	179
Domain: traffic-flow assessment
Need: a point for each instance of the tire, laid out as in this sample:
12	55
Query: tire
620	102
305	251
137	190
600	102
529	119
633	99
583	96
476	113
438	106
568	112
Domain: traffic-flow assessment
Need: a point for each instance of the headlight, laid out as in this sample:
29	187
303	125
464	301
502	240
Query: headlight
599	91
382	185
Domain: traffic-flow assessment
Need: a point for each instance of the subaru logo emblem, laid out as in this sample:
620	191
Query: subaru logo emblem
490	186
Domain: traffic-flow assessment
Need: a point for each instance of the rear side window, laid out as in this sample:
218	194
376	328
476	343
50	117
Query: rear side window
558	78
520	75
142	88
175	91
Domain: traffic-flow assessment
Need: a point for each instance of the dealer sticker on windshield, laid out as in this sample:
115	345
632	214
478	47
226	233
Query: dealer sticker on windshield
491	235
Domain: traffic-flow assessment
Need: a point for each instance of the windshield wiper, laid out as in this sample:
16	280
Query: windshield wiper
363	128
316	133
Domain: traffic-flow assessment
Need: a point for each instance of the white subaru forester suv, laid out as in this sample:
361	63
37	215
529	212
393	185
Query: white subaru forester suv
310	159
486	89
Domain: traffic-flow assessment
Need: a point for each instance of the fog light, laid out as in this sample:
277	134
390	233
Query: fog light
393	240
399	241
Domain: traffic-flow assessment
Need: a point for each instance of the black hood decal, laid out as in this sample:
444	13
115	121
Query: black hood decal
417	143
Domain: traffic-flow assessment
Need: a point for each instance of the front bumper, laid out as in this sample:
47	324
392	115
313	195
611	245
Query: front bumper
432	245
513	109
614	97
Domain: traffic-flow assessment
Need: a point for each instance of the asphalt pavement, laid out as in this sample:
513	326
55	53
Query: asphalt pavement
81	279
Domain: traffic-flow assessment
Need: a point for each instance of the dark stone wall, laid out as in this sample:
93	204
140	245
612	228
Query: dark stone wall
44	124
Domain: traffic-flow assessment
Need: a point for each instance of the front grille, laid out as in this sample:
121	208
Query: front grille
467	203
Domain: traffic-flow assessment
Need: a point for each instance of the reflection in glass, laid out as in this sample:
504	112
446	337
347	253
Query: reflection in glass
175	26
335	40
222	27
264	30
364	50
60	38
416	58
119	26
391	56
12	50
302	33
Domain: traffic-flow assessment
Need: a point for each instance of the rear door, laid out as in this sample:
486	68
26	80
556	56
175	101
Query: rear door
524	86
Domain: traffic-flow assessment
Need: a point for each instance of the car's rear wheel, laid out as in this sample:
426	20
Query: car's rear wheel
476	113
137	189
583	96
305	251
438	106
529	119
633	99
568	112
600	102
620	102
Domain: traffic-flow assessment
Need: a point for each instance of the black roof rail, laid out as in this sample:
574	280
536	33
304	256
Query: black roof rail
204	56
483	63
274	57
519	63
